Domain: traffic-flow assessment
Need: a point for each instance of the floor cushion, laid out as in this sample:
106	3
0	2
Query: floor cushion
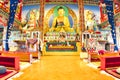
2	69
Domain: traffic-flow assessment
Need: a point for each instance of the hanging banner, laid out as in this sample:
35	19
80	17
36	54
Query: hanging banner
110	12
13	6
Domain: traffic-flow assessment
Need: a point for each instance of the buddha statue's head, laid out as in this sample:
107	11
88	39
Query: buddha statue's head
60	11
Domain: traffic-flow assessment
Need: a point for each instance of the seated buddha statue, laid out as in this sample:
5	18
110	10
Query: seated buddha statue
61	22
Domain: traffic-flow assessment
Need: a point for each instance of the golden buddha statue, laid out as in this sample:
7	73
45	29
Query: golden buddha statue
61	22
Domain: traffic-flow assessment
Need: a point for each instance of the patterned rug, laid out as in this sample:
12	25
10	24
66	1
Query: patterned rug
15	76
109	71
8	74
113	72
23	65
108	74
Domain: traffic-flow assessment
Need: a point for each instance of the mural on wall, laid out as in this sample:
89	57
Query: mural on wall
61	21
4	9
61	18
30	16
92	17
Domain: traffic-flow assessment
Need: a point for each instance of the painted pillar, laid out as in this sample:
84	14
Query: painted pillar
103	15
81	18
81	13
41	18
21	5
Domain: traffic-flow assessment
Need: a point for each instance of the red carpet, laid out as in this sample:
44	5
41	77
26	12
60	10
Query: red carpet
8	74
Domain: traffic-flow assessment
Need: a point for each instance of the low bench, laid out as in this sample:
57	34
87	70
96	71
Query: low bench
97	55
24	56
109	61
12	62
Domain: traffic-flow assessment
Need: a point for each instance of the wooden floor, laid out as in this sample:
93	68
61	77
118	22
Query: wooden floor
61	68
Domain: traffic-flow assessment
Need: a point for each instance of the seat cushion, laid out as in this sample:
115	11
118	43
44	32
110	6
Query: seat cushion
2	69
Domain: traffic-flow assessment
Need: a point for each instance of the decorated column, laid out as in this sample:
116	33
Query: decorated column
81	17
81	14
20	5
13	6
110	12
41	18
